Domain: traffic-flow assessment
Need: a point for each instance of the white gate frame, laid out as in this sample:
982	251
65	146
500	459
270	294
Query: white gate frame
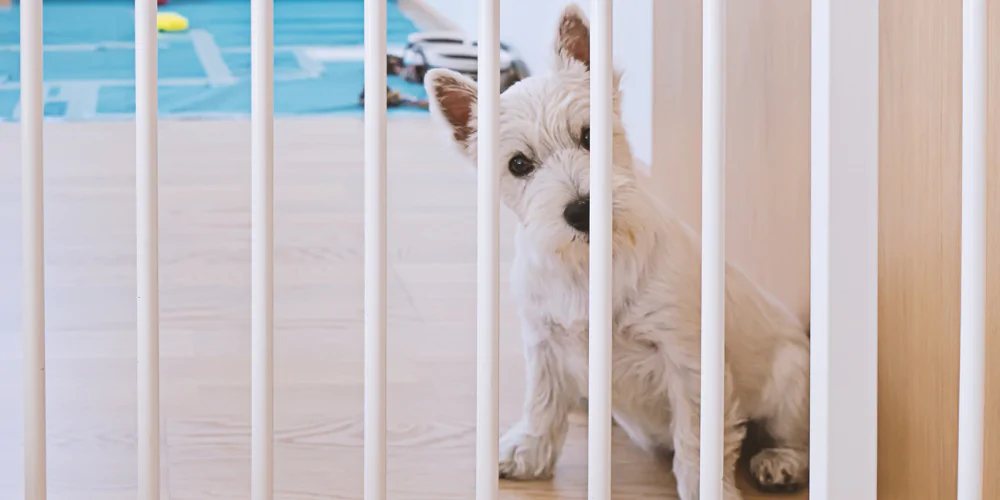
844	242
844	251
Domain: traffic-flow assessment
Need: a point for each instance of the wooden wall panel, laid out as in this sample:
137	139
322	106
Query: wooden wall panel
676	155
919	231
767	134
767	145
920	201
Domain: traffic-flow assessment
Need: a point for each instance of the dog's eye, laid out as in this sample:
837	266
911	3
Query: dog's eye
520	165
585	138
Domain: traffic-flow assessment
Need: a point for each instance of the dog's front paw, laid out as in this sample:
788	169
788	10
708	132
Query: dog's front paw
780	469
524	456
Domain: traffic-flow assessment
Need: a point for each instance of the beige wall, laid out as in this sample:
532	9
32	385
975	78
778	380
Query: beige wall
767	135
920	196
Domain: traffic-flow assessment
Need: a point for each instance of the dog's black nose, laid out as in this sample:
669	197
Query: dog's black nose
577	214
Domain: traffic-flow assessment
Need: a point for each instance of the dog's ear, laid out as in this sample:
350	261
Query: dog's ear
452	96
573	38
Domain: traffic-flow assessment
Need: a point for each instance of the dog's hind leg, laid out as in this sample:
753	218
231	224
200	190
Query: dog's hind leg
785	467
686	405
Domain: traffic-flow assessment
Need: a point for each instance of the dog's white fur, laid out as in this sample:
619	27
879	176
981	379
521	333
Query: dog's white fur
656	294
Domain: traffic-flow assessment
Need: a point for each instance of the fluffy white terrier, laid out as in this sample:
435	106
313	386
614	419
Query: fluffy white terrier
544	143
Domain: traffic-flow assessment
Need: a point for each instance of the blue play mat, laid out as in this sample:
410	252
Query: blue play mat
205	71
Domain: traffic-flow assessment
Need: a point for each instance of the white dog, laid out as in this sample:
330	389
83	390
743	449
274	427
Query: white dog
544	145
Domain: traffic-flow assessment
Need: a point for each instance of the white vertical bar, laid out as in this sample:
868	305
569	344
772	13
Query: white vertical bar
262	249
713	251
601	119
147	251
375	249
488	254
32	237
844	251
972	371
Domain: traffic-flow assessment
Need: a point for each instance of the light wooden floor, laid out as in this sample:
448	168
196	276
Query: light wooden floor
204	224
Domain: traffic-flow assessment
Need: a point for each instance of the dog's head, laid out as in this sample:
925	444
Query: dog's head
545	143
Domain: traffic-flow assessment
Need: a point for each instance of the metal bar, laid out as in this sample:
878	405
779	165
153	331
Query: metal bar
375	250
147	251
33	252
488	254
713	252
262	249
972	370
601	162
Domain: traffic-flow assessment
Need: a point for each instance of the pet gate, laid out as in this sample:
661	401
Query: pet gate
844	239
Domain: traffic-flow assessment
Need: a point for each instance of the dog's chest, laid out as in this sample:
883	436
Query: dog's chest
553	296
558	302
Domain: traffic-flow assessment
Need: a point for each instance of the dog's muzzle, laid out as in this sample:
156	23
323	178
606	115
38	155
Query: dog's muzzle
577	214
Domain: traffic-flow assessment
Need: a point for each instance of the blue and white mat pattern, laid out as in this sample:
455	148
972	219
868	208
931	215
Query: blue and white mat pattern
203	72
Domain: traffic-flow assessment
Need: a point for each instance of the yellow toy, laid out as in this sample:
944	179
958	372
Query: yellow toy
171	21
